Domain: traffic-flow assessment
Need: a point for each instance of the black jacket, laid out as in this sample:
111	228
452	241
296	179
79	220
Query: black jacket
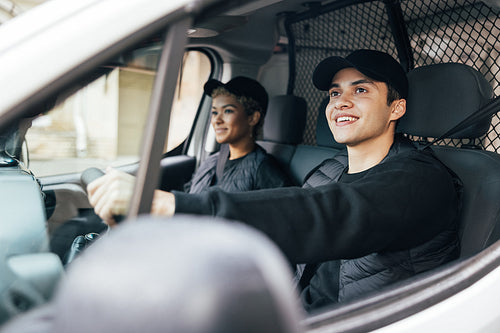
356	277
398	205
254	171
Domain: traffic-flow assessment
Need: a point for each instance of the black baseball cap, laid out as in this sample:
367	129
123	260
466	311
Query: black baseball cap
241	86
376	65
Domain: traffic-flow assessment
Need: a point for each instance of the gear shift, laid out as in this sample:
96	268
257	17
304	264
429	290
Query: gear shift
78	245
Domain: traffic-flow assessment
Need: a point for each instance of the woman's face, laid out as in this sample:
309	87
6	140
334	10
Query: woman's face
231	123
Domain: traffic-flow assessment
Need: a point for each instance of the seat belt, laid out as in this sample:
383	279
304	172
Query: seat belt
307	275
221	161
487	110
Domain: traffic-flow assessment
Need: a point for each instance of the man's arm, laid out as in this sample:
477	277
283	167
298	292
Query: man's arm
397	205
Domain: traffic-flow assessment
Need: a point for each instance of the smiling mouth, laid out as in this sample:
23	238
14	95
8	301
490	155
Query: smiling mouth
344	119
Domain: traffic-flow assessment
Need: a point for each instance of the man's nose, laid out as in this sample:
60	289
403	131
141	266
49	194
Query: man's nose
342	102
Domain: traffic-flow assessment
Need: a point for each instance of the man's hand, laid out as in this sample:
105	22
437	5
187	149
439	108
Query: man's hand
110	194
163	203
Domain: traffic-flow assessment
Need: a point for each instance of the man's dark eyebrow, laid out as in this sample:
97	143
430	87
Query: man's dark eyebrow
362	81
336	85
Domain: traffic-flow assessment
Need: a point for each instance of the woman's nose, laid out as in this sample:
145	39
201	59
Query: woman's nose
217	118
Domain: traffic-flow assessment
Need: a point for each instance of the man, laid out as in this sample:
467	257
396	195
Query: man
383	212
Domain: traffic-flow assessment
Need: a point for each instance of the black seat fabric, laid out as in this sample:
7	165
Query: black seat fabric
480	173
441	96
283	127
282	135
308	157
285	120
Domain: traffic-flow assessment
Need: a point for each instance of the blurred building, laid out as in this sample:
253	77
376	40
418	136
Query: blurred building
12	8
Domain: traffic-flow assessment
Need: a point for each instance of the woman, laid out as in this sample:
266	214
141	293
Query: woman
238	111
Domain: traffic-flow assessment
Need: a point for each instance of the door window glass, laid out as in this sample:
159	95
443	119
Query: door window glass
102	123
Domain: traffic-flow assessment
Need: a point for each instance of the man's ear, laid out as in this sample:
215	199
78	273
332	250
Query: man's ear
254	118
398	109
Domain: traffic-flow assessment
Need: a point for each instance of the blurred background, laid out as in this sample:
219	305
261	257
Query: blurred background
11	8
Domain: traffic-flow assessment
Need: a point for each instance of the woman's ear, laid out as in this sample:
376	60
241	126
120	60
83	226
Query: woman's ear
398	109
254	118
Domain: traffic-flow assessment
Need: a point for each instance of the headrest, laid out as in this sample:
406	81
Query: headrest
285	119
441	96
324	136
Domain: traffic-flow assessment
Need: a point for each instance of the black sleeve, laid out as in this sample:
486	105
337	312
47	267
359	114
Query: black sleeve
398	204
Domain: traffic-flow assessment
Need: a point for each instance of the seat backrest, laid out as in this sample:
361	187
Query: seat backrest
283	127
440	96
307	157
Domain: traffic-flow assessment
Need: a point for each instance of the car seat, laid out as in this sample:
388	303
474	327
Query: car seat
440	97
307	157
283	127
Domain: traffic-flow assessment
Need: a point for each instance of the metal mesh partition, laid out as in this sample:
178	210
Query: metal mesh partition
466	34
337	32
439	31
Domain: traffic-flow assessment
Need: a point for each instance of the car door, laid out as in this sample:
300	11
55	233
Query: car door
91	110
101	125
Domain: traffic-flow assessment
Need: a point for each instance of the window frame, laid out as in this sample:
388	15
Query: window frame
155	133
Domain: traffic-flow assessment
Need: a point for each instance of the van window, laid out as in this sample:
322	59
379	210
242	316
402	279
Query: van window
102	123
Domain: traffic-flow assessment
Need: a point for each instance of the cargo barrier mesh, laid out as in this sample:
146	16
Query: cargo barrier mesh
438	31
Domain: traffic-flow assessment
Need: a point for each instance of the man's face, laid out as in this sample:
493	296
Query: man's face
230	121
358	112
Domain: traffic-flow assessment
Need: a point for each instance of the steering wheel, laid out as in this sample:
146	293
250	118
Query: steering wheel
82	241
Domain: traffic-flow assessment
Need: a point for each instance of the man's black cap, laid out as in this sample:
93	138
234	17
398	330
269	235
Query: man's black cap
241	86
376	65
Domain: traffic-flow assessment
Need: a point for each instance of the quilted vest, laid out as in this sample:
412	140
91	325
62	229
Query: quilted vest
359	276
237	177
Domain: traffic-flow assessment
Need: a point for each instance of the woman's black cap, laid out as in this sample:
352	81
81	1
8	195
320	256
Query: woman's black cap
241	86
376	65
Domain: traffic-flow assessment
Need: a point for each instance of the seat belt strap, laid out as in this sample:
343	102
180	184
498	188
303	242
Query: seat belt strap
307	274
487	110
221	161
